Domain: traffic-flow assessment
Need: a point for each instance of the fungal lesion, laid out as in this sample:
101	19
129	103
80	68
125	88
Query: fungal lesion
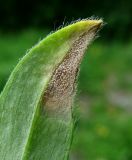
62	87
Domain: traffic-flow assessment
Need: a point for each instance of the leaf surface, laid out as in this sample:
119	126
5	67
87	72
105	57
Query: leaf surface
32	126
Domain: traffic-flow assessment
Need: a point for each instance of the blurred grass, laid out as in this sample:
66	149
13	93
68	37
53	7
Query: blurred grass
106	134
13	47
103	130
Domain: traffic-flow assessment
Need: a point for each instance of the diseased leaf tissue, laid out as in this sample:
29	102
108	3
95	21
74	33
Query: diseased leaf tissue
36	120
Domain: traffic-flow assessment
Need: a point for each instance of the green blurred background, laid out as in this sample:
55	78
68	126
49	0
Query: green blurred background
104	101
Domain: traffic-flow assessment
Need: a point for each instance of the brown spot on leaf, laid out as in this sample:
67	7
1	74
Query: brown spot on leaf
61	89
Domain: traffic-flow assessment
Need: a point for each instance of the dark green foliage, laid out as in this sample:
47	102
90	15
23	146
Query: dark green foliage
20	14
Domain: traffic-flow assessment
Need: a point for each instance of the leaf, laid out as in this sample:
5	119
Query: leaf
36	120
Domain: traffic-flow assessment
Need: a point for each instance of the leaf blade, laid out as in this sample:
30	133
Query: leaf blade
20	110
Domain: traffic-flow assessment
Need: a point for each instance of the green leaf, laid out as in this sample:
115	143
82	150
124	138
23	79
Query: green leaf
36	120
